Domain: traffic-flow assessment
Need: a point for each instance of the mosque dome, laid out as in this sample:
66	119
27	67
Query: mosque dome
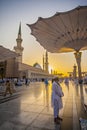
37	65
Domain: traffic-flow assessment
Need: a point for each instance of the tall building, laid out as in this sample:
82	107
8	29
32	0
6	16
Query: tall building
19	49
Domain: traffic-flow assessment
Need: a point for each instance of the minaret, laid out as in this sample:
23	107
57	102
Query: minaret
46	62
43	62
19	49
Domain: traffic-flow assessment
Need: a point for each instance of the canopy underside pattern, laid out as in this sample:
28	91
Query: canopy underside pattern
63	32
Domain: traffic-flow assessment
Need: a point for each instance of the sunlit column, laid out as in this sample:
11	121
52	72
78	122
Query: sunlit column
78	60
74	72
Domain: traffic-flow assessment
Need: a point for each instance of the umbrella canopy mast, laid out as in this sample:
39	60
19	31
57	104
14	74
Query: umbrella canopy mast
78	60
63	32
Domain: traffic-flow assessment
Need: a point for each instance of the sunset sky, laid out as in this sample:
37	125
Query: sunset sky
12	12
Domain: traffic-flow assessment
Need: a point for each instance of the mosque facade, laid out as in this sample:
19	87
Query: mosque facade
13	67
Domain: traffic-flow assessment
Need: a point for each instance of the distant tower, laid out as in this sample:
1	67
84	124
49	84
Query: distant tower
19	49
74	71
43	62
46	62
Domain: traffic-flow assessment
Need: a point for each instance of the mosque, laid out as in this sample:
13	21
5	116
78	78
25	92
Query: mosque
14	67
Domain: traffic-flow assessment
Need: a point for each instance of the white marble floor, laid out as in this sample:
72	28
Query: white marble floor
32	110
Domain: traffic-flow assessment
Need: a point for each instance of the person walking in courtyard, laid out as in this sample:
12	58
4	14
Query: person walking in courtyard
8	88
56	99
46	82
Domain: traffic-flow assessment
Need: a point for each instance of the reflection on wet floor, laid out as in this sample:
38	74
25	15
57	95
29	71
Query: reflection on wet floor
33	111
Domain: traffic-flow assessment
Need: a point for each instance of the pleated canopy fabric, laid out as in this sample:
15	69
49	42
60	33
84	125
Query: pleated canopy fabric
6	54
63	32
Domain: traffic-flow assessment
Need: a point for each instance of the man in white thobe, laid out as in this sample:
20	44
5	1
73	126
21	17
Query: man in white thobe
57	95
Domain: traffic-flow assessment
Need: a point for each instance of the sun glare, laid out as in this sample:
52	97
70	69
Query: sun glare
50	69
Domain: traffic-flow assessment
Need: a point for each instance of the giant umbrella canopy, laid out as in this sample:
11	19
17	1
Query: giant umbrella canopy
63	32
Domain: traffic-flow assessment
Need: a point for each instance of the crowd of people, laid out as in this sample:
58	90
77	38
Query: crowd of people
9	84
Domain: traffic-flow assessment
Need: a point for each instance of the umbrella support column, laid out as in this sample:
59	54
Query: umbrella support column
78	60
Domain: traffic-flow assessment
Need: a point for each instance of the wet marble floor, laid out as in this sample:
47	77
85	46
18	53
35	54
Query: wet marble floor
32	110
